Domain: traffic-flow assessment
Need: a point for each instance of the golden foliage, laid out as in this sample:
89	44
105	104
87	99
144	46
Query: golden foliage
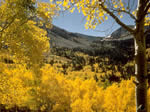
19	30
53	91
13	85
56	93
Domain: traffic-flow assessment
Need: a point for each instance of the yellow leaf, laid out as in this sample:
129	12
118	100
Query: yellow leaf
101	14
123	8
115	6
58	2
121	4
72	10
121	16
106	18
65	3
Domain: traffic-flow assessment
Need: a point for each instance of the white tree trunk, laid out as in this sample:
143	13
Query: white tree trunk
140	60
141	73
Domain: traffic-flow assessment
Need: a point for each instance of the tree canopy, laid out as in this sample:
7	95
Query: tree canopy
20	34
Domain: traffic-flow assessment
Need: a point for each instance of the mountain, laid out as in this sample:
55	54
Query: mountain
62	38
123	34
120	33
119	45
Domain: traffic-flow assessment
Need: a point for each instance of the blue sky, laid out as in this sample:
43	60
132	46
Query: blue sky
74	22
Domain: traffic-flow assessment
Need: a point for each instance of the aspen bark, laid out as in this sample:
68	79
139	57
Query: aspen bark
141	73
140	60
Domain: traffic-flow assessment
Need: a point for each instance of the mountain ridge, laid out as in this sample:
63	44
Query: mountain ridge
62	38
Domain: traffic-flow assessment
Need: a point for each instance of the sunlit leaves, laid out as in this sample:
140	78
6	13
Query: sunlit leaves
47	11
65	3
13	89
58	93
92	9
122	99
20	31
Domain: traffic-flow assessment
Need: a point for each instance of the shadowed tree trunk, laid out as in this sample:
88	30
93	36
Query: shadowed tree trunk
141	73
140	60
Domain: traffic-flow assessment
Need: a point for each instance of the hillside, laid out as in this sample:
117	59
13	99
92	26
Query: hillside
118	46
62	38
67	46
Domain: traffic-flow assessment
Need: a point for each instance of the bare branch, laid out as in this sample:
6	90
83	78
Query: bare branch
117	19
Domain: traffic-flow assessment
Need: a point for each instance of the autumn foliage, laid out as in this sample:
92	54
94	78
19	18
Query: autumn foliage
29	84
56	93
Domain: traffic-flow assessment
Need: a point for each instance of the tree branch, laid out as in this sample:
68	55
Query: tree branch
117	19
146	9
147	1
127	12
7	25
